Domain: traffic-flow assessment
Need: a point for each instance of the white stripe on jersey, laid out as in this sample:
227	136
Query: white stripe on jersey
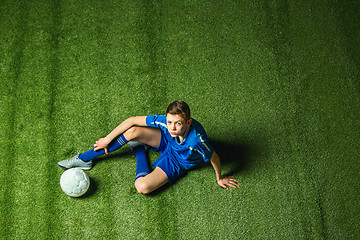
196	150
160	123
203	142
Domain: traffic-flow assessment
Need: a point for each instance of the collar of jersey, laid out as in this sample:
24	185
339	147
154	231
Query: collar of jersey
185	135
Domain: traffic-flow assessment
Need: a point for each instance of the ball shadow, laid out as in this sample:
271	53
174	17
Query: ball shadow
92	188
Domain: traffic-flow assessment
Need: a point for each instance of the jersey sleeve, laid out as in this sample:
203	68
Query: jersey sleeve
204	148
157	121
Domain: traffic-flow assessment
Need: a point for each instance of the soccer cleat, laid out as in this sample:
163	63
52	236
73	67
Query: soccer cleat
75	162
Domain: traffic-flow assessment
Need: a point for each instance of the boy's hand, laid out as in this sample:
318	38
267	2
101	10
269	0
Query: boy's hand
228	181
102	143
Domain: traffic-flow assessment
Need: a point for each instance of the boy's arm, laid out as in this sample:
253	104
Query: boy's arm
121	128
223	181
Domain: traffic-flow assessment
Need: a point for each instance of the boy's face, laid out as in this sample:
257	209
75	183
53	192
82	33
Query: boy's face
176	125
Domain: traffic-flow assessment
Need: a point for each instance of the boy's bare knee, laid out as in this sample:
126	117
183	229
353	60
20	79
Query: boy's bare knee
132	133
142	187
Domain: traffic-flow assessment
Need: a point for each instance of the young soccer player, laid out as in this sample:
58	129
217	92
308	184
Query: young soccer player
181	140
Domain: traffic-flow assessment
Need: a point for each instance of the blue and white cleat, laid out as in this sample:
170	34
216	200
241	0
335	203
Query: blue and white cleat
75	162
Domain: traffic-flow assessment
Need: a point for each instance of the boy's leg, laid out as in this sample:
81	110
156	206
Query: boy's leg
151	182
142	163
141	134
84	161
148	135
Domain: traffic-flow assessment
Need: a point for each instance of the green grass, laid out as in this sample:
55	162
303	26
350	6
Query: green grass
275	84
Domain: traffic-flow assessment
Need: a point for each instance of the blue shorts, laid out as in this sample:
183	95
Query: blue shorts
167	163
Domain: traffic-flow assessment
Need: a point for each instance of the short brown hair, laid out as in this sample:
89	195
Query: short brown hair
179	108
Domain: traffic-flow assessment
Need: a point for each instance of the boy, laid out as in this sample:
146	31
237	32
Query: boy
181	140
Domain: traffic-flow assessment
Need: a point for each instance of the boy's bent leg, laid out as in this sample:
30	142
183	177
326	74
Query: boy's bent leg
151	182
84	161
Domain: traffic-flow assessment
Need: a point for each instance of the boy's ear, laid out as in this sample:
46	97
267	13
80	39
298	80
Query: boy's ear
189	122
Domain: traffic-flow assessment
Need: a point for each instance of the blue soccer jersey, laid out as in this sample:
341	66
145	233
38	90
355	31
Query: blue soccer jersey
194	148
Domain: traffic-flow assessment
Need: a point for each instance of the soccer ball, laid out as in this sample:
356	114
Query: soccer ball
74	182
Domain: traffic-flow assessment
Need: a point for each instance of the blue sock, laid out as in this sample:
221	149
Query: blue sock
114	145
142	164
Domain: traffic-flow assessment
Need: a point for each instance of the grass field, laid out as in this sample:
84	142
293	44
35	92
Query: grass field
275	84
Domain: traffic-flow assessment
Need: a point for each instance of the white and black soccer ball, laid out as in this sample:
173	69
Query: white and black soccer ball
74	182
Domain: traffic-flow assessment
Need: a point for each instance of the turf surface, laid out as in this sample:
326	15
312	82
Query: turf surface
275	83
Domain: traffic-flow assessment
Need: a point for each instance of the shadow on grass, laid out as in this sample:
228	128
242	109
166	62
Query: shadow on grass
236	155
